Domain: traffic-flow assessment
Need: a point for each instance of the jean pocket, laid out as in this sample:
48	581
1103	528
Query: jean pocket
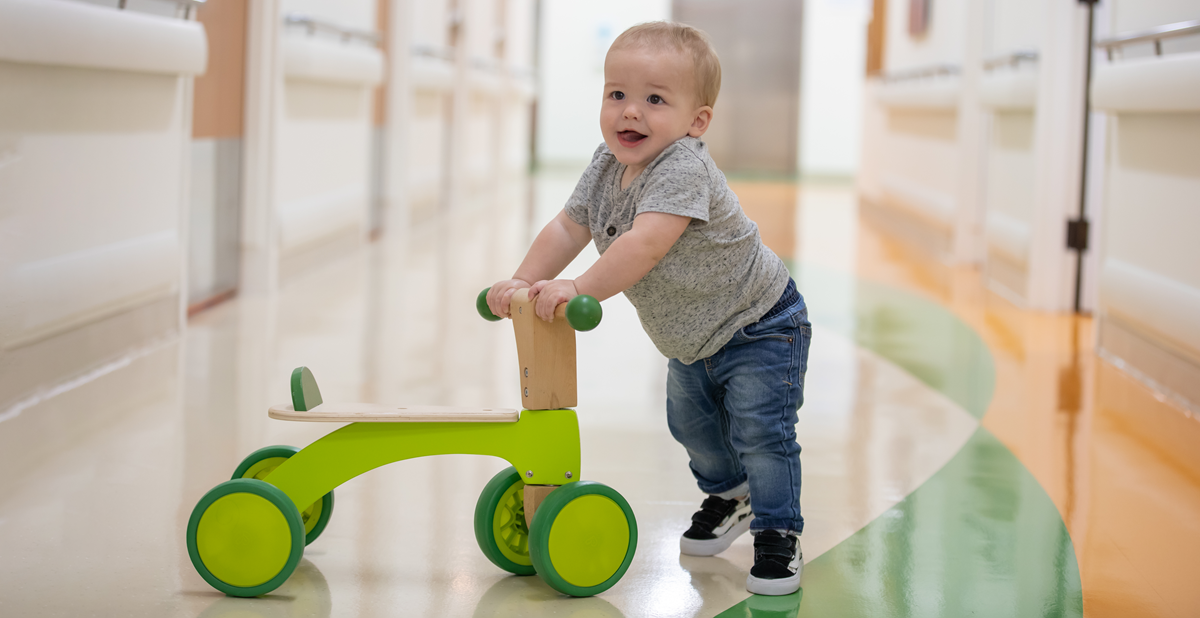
781	327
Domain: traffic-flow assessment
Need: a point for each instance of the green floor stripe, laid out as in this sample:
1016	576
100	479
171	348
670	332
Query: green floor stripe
921	336
979	538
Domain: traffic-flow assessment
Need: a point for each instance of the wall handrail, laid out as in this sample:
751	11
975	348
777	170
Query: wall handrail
186	5
1177	29
314	25
78	34
434	51
1011	59
928	71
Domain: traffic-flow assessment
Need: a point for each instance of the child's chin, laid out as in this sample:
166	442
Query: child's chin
627	159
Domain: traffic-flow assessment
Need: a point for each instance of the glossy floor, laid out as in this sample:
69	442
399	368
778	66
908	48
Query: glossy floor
924	493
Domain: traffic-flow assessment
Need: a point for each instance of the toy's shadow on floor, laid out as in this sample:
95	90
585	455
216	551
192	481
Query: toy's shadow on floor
528	597
305	593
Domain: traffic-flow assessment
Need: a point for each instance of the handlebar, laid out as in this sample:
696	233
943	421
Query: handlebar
583	312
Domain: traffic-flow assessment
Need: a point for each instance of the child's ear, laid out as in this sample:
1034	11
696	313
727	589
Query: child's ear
700	121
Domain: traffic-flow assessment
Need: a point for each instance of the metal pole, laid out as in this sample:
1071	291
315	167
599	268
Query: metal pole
1083	176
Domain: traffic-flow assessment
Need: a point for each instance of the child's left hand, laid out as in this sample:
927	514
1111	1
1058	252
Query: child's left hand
550	294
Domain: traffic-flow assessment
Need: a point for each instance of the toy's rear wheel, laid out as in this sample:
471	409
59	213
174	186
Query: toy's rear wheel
500	526
583	538
260	463
245	537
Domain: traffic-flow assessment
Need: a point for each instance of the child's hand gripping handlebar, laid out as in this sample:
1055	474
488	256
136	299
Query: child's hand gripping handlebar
583	312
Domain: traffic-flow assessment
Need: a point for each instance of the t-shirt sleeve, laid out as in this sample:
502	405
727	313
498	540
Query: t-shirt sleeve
580	201
679	185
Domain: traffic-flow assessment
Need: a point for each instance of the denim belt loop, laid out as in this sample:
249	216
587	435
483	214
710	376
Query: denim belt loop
789	298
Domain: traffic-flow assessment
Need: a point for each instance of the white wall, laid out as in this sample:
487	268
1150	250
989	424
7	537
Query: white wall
831	90
1009	198
984	165
575	36
917	154
458	117
1010	98
1149	278
1141	15
95	127
1013	25
419	96
943	42
323	128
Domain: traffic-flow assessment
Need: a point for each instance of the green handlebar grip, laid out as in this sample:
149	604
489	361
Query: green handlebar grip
584	312
482	307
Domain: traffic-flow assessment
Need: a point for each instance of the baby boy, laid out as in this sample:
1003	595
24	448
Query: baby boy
713	299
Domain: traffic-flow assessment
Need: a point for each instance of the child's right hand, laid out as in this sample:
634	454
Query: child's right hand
500	295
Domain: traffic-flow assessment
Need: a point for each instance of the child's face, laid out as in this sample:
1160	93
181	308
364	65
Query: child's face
649	103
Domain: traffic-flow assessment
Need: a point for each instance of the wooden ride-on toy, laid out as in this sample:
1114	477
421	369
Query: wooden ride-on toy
246	535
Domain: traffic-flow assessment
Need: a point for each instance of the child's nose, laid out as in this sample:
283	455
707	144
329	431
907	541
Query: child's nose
632	112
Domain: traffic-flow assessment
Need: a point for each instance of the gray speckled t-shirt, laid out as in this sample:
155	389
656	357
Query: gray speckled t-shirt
717	278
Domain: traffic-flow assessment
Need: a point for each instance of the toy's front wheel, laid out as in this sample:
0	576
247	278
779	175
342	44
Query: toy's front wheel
245	537
500	526
583	538
260	463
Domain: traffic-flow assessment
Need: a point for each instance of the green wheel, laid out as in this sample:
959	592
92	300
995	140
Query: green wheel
500	523
260	463
583	538
245	537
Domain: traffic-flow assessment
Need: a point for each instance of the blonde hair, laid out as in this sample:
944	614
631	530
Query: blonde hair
683	38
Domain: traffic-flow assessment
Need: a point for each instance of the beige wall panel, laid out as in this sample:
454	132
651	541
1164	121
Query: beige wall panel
219	92
1155	178
380	102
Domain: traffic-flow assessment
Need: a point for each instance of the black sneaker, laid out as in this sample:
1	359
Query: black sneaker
777	564
715	526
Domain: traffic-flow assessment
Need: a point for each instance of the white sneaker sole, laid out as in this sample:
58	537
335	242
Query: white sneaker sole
774	587
712	547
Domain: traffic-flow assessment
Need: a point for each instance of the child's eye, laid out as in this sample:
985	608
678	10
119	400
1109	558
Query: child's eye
654	99
618	95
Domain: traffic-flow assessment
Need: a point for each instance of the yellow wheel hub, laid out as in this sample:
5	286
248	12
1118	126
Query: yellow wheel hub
243	539
589	540
508	525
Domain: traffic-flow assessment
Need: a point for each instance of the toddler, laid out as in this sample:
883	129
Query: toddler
713	299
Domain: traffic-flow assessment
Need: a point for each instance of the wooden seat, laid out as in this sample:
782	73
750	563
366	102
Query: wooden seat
378	413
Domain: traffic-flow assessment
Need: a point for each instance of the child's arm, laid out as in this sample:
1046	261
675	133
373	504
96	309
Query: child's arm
555	246
625	262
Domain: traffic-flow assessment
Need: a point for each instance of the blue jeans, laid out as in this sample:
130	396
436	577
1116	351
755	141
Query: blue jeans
735	413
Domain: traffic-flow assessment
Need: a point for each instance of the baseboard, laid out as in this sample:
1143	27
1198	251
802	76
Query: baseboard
46	364
314	254
1006	278
913	232
1172	376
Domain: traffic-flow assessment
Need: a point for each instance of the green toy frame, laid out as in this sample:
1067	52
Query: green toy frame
543	446
246	535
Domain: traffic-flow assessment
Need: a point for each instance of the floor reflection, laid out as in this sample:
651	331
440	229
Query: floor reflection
925	493
1119	462
529	597
304	595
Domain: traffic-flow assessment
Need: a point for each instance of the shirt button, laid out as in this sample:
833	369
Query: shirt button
612	231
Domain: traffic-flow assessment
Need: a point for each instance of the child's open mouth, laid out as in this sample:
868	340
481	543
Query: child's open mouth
629	139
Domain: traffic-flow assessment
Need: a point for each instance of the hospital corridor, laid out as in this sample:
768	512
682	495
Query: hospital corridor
210	207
